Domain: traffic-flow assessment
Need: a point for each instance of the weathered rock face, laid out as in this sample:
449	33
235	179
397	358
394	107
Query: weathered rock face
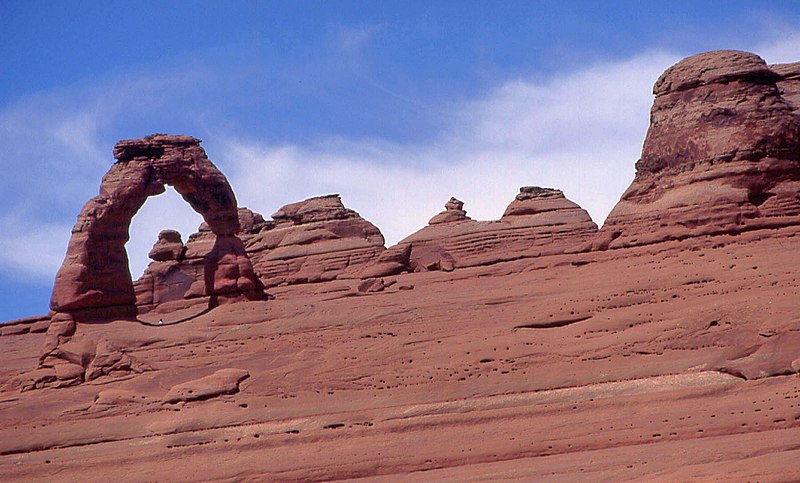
453	211
311	241
306	242
228	271
67	361
514	370
171	279
789	83
168	247
540	221
224	381
722	154
95	271
534	200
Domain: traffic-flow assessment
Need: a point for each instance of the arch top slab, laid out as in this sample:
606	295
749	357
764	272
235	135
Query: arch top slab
179	161
95	271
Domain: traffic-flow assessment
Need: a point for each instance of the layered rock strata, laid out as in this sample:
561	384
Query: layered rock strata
314	240
514	371
722	154
789	83
453	211
95	271
540	221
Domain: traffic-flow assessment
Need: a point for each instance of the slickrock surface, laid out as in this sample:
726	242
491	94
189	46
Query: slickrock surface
224	381
721	155
540	221
604	365
668	358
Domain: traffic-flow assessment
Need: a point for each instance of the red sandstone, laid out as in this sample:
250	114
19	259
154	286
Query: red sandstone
663	347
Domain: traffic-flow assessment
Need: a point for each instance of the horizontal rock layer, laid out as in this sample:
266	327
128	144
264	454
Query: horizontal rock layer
540	221
498	372
319	240
520	369
722	154
310	241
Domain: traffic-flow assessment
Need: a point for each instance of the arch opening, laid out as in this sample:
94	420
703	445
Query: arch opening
167	211
96	272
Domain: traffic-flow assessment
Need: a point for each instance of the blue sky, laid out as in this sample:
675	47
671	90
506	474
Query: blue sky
395	105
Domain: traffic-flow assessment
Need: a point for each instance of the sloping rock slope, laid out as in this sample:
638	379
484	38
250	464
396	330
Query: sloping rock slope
667	352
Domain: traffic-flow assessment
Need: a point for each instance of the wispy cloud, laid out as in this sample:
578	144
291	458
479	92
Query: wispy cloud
28	247
783	48
350	39
581	133
56	147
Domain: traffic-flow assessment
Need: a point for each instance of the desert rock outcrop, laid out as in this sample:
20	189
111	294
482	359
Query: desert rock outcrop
310	241
540	221
722	154
95	271
168	247
789	83
453	211
669	357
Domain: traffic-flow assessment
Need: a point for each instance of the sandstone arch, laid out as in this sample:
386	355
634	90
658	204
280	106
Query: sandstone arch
95	271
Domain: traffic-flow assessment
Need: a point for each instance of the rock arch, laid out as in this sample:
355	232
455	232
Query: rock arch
95	271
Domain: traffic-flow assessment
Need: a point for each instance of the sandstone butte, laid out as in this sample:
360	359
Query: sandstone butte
663	346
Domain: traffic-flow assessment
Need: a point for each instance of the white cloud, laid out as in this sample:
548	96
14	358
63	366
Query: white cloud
33	250
581	132
783	48
778	41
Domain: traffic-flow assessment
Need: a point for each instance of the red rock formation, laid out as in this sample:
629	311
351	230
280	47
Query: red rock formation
506	371
320	240
540	221
789	83
168	247
170	281
311	241
180	281
306	242
228	272
223	381
67	361
502	371
95	271
721	154
453	211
